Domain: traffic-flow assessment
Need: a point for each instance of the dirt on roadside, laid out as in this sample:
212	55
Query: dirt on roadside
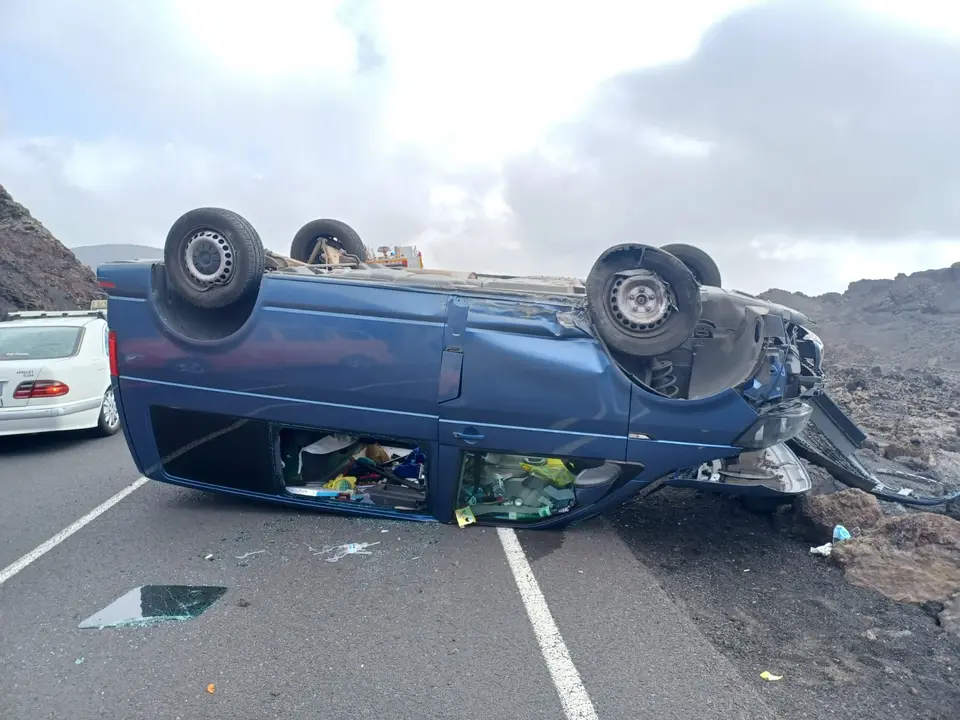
845	652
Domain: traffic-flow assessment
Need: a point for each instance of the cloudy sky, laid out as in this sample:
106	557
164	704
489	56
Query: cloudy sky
805	144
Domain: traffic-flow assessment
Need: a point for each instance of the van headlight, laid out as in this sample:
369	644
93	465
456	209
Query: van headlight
778	424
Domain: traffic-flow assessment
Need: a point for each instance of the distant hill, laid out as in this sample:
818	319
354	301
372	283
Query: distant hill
36	271
911	321
93	255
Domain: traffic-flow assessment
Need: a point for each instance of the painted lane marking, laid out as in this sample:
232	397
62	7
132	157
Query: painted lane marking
10	570
574	699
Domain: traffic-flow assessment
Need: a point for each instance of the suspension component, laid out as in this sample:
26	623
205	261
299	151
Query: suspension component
662	378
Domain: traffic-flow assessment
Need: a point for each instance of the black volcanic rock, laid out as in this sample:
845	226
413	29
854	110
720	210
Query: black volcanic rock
37	272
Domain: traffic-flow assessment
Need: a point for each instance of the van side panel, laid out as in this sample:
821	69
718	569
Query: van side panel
316	352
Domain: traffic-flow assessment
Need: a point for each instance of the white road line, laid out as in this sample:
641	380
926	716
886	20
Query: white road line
10	570
573	695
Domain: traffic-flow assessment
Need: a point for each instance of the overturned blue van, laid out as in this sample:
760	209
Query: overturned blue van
323	380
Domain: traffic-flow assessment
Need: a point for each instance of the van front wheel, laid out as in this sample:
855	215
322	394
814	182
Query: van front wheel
643	301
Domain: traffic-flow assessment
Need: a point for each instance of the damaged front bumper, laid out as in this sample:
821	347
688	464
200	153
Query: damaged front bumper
830	440
771	472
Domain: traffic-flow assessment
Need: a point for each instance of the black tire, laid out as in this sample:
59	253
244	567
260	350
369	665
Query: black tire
624	332
109	422
309	235
216	235
702	266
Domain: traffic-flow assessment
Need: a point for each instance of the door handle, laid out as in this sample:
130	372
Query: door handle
469	437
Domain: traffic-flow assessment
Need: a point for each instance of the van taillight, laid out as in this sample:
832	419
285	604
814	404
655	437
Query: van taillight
40	389
112	343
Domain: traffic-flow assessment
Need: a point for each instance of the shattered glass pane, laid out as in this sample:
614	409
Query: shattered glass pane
149	604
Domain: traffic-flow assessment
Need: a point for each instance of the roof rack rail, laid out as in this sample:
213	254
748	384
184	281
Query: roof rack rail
31	314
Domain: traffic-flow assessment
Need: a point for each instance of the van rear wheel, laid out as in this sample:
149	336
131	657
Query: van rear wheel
642	300
213	258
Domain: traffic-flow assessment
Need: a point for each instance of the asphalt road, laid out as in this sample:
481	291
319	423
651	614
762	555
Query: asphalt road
435	623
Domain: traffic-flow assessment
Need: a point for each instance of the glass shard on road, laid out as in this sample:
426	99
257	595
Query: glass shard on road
151	604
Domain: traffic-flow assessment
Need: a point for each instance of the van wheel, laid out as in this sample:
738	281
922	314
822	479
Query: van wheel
109	422
702	266
336	233
213	257
642	300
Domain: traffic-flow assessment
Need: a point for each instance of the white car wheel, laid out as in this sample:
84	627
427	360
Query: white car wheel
109	414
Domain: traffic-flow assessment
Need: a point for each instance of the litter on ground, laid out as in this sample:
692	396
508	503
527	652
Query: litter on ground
341	551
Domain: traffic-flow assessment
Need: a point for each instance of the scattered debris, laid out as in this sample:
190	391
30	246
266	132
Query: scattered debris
767	675
151	604
823	550
840	533
208	557
515	487
345	468
211	688
909	558
816	517
465	517
246	555
243	603
341	551
78	661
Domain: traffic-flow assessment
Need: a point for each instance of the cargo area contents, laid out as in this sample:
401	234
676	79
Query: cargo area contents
353	469
496	486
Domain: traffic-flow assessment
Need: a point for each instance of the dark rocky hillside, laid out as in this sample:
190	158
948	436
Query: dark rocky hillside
893	357
37	272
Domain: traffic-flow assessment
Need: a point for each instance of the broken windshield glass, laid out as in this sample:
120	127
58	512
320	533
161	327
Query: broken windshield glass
149	604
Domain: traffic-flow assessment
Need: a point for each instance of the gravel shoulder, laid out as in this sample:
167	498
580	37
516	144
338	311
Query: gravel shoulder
767	604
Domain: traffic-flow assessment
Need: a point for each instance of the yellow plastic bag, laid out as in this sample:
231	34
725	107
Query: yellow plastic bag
553	471
342	483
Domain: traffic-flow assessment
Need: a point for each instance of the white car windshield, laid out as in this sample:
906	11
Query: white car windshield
38	343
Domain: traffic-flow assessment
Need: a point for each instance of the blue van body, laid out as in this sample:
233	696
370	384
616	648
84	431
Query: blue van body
450	369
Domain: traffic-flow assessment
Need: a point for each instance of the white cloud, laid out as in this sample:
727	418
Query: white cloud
260	107
280	41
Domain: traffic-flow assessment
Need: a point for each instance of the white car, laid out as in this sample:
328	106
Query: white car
55	373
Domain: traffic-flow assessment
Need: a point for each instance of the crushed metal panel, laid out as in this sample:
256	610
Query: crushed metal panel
151	604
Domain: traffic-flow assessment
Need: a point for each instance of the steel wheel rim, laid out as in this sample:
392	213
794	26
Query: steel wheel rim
209	258
642	301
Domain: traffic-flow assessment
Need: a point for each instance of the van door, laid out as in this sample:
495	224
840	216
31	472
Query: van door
518	388
515	379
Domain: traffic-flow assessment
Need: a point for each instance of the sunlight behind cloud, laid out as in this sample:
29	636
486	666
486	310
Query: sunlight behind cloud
270	42
472	83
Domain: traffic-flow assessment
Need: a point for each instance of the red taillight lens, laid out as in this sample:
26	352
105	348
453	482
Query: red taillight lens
112	343
40	389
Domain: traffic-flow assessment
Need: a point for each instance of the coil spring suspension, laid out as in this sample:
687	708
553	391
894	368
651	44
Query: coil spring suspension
662	378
